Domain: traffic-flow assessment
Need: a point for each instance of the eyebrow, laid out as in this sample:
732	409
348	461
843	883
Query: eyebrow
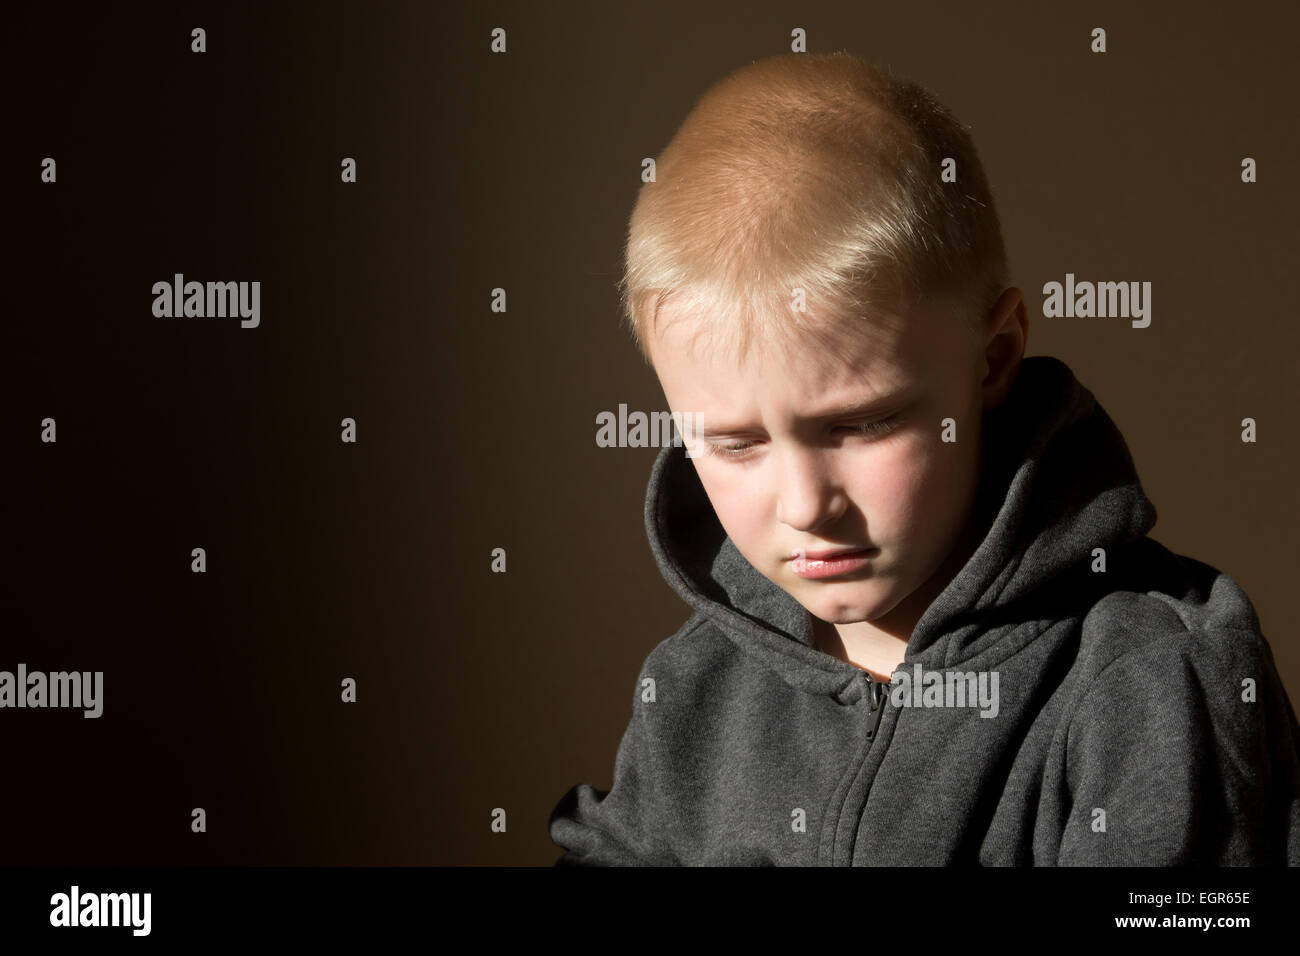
852	410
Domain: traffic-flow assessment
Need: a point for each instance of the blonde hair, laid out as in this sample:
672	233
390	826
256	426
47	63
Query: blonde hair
818	172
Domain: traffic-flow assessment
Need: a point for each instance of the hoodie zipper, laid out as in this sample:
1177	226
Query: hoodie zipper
876	692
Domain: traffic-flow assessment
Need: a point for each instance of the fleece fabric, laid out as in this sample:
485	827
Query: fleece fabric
1140	718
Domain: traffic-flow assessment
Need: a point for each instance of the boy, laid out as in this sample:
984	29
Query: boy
929	626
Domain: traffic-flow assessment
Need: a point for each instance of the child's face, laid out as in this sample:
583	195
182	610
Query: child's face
804	476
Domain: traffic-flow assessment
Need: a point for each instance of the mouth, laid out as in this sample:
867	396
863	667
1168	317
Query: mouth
814	565
830	553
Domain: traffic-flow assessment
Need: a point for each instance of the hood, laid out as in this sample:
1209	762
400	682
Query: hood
1057	481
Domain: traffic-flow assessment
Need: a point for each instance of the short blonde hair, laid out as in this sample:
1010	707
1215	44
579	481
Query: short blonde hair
819	172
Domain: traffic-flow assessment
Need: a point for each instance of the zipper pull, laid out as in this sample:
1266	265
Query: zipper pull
876	691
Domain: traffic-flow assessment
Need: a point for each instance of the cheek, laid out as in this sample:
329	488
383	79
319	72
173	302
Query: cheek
888	479
738	503
905	486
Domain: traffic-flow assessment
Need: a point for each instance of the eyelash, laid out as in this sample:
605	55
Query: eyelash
739	451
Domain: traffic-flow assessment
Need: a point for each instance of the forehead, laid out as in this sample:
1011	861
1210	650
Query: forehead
886	352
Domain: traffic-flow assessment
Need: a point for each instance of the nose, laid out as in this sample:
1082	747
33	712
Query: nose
811	495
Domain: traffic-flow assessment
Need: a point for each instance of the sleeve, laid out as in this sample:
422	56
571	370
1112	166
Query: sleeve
619	826
1169	764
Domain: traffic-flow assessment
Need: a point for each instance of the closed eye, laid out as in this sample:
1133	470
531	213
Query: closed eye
738	451
872	428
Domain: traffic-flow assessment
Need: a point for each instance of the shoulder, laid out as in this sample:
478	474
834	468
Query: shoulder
1167	614
701	676
1176	649
1181	667
697	651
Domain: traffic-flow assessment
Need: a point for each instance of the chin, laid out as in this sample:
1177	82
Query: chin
846	608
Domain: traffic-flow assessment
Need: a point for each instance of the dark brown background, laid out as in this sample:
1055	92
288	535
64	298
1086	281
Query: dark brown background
476	428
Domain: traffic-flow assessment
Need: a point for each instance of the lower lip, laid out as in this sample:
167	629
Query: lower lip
831	567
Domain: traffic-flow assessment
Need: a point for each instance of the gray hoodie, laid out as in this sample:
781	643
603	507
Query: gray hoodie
1136	716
